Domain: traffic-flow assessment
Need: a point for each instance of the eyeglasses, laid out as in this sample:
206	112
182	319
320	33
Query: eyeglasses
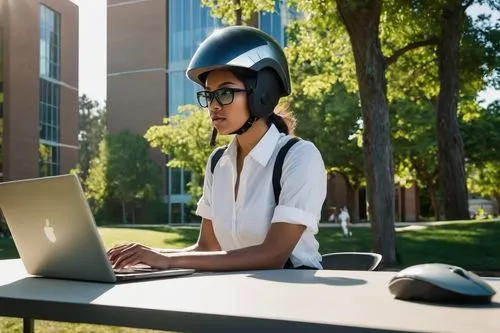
224	96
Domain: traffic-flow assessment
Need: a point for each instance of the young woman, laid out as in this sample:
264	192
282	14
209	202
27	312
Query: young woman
244	72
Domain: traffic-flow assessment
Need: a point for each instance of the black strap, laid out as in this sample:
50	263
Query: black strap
246	126
216	157
278	167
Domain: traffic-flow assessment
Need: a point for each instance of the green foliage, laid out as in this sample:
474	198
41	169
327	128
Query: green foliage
482	135
332	122
184	138
226	9
484	179
123	173
415	146
91	131
482	150
414	141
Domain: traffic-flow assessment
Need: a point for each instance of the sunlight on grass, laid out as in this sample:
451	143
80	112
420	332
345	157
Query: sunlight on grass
14	325
158	237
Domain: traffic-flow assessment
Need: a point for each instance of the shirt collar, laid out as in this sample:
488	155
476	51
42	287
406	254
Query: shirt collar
263	149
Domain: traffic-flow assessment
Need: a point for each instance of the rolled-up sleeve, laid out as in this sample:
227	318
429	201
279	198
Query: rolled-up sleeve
204	208
303	187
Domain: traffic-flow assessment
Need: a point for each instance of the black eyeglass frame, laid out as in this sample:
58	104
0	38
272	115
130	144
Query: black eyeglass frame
216	94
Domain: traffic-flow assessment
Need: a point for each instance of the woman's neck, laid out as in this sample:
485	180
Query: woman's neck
250	138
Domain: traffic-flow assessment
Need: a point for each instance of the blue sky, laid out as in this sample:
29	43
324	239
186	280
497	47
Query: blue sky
92	70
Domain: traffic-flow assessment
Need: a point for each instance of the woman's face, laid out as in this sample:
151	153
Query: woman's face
226	116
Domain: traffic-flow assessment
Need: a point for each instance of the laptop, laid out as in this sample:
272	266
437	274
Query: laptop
55	233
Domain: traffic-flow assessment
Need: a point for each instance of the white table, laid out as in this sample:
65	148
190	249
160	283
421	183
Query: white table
256	301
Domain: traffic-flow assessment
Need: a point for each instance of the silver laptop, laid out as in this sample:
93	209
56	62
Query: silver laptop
55	233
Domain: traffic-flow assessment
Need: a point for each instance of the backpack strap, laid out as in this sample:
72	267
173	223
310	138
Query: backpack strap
278	167
216	157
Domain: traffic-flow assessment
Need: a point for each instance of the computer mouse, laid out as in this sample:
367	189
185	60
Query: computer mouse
440	283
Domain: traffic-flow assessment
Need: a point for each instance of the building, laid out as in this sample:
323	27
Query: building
38	88
150	44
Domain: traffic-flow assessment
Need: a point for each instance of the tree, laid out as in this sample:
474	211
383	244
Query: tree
462	58
362	19
91	131
450	145
185	139
123	173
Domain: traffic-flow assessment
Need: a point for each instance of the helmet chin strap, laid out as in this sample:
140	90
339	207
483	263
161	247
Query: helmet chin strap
246	126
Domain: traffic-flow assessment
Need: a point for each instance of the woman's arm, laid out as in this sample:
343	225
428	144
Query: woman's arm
271	254
132	254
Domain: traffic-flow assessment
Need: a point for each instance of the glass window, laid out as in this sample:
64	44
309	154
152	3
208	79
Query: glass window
50	40
190	213
175	181
175	28
276	26
187	179
190	89
49	128
48	159
176	213
176	91
272	23
189	24
187	28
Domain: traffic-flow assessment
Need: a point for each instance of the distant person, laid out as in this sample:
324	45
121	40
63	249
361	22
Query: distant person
243	73
345	220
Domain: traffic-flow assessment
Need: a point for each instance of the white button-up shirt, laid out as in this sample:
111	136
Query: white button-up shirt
245	221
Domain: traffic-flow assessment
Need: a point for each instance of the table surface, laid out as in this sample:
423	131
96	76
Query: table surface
294	300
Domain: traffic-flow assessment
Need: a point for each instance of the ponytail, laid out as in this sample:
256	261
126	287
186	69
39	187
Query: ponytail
279	122
284	121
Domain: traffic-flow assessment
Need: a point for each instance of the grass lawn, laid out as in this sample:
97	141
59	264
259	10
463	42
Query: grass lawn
472	245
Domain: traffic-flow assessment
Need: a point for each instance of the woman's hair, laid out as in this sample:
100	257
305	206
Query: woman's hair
283	119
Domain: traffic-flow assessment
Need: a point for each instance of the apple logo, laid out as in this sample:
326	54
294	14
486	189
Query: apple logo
49	231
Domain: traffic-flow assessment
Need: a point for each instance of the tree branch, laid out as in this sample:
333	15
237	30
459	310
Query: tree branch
409	47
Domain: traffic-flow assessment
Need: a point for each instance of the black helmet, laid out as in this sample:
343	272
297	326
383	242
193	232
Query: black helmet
251	50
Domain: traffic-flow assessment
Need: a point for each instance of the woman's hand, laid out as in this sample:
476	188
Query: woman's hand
132	254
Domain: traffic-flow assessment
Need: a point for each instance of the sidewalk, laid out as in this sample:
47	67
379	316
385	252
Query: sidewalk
398	225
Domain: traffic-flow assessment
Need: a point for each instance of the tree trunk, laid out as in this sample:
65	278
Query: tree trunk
497	199
434	201
450	145
238	12
124	213
355	212
362	23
